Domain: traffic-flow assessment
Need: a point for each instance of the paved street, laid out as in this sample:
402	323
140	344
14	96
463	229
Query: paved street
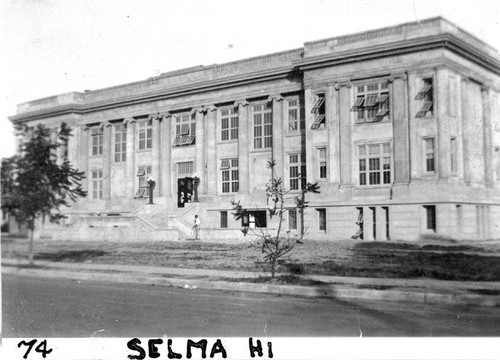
35	307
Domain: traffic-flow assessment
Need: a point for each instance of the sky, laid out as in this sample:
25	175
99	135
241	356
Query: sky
51	47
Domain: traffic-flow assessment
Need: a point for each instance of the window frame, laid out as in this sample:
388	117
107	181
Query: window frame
120	130
425	96
372	105
295	105
293	223
323	169
143	172
97	184
322	219
96	141
224	219
230	183
265	126
145	130
229	131
368	174
185	129
430	213
427	153
296	171
319	111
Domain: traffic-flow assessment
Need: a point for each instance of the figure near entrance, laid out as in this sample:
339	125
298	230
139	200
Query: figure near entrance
196	228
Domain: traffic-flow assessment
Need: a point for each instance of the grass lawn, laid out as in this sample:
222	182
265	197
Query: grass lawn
427	259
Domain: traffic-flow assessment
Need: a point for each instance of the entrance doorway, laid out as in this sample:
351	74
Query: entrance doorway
184	191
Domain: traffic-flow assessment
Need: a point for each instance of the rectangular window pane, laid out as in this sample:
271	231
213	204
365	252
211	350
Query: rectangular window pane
292	216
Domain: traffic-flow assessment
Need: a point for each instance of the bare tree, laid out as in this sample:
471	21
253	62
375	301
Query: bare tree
281	243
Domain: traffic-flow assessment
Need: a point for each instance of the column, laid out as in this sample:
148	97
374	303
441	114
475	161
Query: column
166	151
443	125
333	124
107	152
345	137
400	126
277	149
130	167
487	137
467	103
243	143
156	153
211	150
83	155
200	149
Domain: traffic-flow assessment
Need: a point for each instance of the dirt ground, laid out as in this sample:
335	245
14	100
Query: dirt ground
436	259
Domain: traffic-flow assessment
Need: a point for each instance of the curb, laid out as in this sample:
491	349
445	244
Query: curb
333	291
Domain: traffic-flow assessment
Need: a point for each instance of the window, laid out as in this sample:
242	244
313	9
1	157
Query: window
429	155
223	219
97	184
453	154
229	124
322	219
322	163
185	168
185	130
296	116
292	219
96	141
374	164
262	126
120	143
297	171
430	217
426	97
143	173
145	129
318	110
230	175
372	102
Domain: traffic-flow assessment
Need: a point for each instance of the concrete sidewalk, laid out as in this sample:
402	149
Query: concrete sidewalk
344	288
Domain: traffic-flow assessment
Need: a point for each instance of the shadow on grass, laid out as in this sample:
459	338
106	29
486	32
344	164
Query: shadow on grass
71	255
400	260
280	280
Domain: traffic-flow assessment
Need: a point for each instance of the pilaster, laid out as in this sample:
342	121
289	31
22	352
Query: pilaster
333	124
443	125
467	103
166	151
130	123
243	147
83	154
277	149
345	134
400	128
156	153
107	156
308	104
211	150
487	137
200	148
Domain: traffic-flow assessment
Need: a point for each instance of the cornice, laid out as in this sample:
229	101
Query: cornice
443	41
80	109
446	41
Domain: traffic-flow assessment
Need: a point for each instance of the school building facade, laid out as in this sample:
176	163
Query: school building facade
399	126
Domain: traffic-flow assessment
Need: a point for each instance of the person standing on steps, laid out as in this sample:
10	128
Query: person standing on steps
196	227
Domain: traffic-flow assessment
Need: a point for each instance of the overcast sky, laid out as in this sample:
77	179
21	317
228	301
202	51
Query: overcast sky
50	47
